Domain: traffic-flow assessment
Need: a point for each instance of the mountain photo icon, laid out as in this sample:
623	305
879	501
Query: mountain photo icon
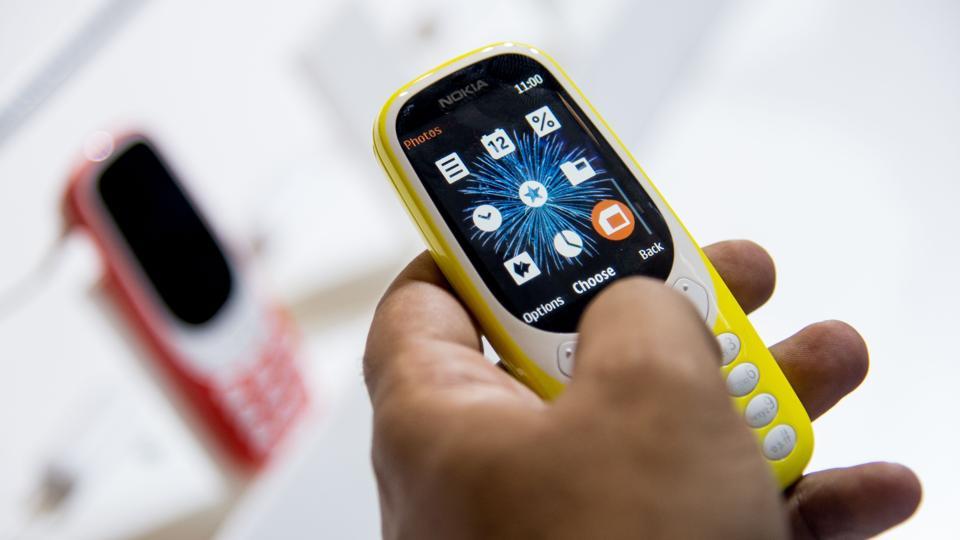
522	268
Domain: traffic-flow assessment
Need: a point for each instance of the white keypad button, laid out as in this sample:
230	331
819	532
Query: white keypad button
779	442
235	398
249	416
565	357
263	377
743	379
761	410
287	409
275	395
695	293
729	347
262	436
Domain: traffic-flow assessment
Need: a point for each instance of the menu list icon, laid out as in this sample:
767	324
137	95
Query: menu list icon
452	168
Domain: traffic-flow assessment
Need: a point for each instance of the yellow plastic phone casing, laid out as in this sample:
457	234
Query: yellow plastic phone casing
729	318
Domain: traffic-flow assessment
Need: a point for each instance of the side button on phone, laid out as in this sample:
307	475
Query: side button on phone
729	346
779	442
565	357
695	293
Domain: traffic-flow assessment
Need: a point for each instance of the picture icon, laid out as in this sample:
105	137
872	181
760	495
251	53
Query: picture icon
543	121
612	220
498	143
522	268
452	167
568	243
578	171
487	218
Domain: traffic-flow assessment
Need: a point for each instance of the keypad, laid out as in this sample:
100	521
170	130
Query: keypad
265	399
761	409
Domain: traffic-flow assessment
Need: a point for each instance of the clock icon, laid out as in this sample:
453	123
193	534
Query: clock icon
568	243
487	218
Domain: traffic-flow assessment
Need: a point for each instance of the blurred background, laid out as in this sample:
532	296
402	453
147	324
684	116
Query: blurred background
827	131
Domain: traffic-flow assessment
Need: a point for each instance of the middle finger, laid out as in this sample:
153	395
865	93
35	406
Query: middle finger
823	362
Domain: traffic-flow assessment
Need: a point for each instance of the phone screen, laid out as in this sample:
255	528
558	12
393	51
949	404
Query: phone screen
544	208
169	240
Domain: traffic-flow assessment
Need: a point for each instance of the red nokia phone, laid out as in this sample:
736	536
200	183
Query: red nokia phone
229	351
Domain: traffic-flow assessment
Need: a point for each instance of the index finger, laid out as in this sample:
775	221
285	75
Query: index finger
421	334
419	306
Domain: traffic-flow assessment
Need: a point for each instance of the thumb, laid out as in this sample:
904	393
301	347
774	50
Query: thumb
638	335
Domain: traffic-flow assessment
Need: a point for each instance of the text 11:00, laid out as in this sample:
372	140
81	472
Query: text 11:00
528	84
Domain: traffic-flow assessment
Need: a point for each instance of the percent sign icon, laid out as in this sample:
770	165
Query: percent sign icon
543	121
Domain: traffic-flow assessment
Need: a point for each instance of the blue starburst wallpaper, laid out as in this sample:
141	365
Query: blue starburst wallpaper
517	184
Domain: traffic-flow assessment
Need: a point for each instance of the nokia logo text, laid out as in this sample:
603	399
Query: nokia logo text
457	95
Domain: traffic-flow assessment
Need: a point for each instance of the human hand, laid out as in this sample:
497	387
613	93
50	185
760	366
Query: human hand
644	441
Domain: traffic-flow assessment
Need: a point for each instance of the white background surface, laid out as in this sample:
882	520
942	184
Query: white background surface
827	131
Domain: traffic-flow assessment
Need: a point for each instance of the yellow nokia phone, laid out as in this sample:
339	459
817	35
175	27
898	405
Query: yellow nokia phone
531	206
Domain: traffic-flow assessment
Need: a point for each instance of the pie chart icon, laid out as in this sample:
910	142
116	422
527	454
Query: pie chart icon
568	243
